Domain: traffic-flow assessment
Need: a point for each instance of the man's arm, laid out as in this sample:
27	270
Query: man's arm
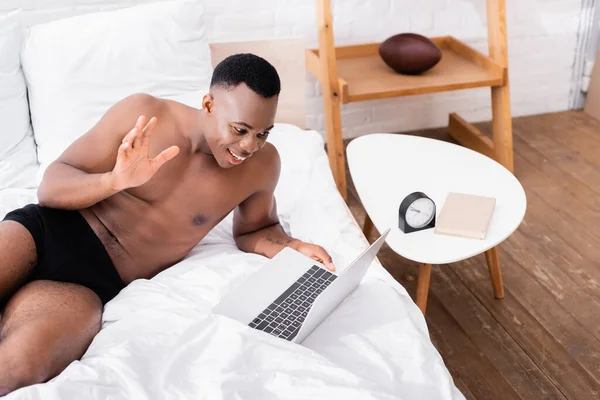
256	226
83	174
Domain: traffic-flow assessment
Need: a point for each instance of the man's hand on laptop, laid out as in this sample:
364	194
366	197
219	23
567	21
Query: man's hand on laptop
313	251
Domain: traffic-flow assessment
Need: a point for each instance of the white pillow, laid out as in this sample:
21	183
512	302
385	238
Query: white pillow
76	68
298	149
18	162
11	199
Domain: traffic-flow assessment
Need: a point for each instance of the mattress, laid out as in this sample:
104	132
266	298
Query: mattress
160	340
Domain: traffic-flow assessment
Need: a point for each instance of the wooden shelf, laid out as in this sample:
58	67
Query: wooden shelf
357	73
362	74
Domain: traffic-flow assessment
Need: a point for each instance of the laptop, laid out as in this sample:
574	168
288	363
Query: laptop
292	293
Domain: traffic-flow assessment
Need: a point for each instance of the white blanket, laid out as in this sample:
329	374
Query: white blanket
159	339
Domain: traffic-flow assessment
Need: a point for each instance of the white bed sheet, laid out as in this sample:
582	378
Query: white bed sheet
159	339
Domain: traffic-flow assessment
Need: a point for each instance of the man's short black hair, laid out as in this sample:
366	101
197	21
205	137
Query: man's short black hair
256	72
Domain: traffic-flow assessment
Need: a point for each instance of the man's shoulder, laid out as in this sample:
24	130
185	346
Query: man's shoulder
128	109
265	167
270	150
268	157
144	101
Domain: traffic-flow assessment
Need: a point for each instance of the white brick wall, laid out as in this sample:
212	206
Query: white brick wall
542	48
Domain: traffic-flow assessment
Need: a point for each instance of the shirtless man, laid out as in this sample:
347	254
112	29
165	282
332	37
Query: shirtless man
130	198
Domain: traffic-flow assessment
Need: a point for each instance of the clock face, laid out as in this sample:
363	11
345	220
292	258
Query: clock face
420	213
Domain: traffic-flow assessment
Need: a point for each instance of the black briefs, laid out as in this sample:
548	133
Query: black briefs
68	250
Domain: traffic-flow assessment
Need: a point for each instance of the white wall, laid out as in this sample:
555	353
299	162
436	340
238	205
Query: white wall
588	42
542	48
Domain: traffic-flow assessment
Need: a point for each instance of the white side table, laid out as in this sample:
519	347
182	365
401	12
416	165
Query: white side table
387	167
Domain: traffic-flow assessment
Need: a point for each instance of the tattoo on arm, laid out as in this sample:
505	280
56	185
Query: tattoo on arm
273	240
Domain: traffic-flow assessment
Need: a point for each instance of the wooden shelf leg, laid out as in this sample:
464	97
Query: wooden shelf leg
368	227
423	286
469	136
502	127
331	96
491	256
335	145
501	117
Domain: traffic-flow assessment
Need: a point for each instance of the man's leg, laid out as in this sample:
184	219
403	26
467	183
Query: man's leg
17	257
46	325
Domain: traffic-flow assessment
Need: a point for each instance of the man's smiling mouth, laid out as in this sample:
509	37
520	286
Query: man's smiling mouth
237	157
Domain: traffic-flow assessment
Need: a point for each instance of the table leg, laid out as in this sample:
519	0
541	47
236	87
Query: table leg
368	226
423	286
491	256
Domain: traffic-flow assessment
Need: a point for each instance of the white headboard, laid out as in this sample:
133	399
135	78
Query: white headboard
287	56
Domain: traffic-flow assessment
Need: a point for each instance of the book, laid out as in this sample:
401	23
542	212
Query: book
465	215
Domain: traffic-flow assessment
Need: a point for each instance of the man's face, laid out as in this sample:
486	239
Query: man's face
240	123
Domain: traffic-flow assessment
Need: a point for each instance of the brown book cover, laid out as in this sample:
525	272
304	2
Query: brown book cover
465	215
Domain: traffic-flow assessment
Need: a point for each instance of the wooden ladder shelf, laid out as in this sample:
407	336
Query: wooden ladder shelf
357	73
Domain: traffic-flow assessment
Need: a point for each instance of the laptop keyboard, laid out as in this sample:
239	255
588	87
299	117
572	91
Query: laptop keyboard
283	318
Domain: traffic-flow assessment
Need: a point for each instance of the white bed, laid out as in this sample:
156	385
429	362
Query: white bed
159	339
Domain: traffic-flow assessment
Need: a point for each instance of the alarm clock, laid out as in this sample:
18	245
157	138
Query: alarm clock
416	213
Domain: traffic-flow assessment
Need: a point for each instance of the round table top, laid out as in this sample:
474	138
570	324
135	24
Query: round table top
387	167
